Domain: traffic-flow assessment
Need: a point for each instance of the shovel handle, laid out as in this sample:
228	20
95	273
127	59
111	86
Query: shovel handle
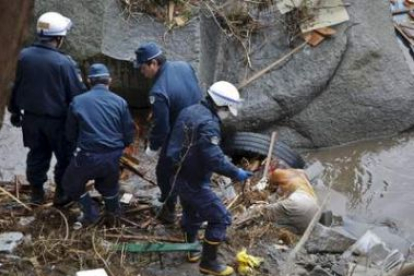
269	154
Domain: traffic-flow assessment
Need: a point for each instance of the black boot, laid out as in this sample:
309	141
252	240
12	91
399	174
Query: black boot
209	263
38	195
60	199
192	256
112	205
112	211
89	209
167	213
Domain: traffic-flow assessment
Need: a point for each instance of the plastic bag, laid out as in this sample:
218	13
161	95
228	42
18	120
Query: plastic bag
370	246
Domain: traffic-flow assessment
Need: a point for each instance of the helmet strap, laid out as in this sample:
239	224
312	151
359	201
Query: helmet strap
59	40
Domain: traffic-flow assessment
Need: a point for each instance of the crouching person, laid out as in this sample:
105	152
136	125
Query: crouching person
297	203
194	148
100	124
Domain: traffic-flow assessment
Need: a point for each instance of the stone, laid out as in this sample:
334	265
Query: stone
328	240
340	269
319	271
9	241
341	91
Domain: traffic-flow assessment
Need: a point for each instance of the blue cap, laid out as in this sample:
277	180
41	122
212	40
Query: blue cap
98	70
146	52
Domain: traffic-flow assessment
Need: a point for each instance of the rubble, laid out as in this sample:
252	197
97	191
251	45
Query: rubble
9	241
328	240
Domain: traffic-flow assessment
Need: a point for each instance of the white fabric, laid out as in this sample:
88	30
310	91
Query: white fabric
296	211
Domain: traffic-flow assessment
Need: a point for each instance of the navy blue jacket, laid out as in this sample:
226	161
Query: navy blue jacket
175	87
46	82
99	121
194	143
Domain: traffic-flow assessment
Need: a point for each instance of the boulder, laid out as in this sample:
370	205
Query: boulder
353	86
319	271
328	240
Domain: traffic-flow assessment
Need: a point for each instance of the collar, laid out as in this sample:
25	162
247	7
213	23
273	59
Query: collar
160	70
45	46
100	87
210	107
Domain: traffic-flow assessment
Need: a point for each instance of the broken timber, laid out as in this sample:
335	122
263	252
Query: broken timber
131	164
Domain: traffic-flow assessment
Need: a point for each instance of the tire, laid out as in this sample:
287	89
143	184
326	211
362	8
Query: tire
253	144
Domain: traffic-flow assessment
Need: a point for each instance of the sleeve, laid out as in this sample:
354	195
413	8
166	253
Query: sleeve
161	124
72	81
13	105
72	125
127	125
212	154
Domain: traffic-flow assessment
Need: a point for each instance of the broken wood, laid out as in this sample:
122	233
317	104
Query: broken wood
15	199
131	163
326	31
143	238
271	66
313	38
139	208
269	154
171	6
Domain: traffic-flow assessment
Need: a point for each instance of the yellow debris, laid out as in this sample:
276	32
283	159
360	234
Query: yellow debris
247	262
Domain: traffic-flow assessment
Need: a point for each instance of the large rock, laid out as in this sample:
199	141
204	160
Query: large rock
353	86
328	240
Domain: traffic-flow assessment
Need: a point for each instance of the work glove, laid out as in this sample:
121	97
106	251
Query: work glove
16	119
242	175
151	153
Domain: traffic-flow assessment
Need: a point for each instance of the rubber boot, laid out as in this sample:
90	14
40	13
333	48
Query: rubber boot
89	209
60	199
192	257
112	211
112	205
167	213
38	195
209	263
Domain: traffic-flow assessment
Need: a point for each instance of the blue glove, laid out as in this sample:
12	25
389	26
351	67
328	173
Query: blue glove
242	175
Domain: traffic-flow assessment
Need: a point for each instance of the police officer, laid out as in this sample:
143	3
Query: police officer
195	152
100	124
46	81
175	87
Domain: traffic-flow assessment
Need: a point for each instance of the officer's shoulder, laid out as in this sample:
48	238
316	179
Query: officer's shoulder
117	97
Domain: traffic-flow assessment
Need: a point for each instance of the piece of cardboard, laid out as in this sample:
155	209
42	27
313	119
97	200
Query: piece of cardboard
313	38
327	13
326	31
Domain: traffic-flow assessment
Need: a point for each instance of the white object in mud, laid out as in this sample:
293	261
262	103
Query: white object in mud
126	198
9	241
93	272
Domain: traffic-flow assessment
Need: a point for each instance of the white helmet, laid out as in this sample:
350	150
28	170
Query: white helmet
53	24
224	93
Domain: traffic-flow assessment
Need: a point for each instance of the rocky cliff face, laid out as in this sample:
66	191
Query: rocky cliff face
353	86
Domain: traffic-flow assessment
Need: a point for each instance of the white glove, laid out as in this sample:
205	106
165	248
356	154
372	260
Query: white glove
151	153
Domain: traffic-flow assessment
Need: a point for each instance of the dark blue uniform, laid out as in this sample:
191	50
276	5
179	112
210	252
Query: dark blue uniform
195	152
46	81
100	124
175	87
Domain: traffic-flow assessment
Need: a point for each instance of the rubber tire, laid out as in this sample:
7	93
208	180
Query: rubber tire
248	144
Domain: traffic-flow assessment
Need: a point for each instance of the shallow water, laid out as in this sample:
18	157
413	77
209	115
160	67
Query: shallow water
376	177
